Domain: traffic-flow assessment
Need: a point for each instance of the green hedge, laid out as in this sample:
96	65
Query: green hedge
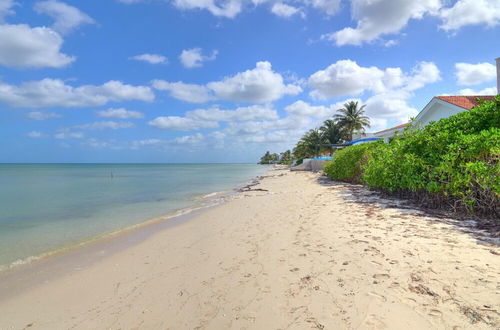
454	161
346	165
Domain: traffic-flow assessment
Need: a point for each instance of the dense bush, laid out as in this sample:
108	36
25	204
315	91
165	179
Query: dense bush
346	165
453	162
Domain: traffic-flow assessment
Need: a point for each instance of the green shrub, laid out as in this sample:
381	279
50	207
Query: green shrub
454	161
346	163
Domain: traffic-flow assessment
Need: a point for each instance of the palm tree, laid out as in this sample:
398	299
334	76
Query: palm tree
352	118
331	131
312	141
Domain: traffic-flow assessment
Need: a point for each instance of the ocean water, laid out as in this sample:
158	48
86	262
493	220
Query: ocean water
46	207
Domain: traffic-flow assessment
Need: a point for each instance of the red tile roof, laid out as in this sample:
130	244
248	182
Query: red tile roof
393	128
467	102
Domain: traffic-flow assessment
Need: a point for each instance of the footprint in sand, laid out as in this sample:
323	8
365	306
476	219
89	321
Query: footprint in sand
381	276
435	312
294	269
373	294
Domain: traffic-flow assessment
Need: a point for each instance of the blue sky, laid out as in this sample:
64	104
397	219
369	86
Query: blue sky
211	81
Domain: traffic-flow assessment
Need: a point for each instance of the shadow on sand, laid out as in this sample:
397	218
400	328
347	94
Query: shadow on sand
479	229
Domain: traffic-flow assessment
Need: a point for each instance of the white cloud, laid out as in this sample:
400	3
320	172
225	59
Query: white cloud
304	109
390	88
231	8
474	74
175	123
95	143
391	106
67	18
69	135
193	58
186	92
228	8
484	91
210	118
150	58
129	2
390	43
192	140
6	9
259	85
346	77
380	17
55	92
146	142
24	47
40	115
422	74
283	10
470	12
120	113
102	125
330	7
254	112
35	134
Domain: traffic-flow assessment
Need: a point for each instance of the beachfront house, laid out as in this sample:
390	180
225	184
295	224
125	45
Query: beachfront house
439	107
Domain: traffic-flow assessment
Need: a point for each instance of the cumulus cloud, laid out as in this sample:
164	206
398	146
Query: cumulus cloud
120	113
259	85
6	9
210	118
69	135
193	58
346	77
150	58
186	92
474	74
304	109
67	18
329	7
283	10
254	112
227	8
40	115
175	123
231	8
381	17
193	140
390	88
24	47
35	134
470	12
484	91
102	125
146	142
55	92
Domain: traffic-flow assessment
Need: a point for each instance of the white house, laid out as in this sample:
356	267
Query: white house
439	107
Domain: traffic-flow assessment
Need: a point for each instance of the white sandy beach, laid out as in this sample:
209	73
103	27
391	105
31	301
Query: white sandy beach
303	254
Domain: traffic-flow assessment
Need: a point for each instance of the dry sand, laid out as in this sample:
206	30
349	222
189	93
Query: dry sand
305	254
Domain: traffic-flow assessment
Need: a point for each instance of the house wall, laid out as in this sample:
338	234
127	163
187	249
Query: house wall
388	135
437	112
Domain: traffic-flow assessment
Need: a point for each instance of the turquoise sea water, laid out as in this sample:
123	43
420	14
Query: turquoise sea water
44	207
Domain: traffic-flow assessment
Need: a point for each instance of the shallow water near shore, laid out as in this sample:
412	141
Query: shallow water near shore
46	207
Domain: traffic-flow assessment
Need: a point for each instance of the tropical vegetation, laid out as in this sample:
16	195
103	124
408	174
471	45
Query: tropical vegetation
336	130
451	163
352	118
